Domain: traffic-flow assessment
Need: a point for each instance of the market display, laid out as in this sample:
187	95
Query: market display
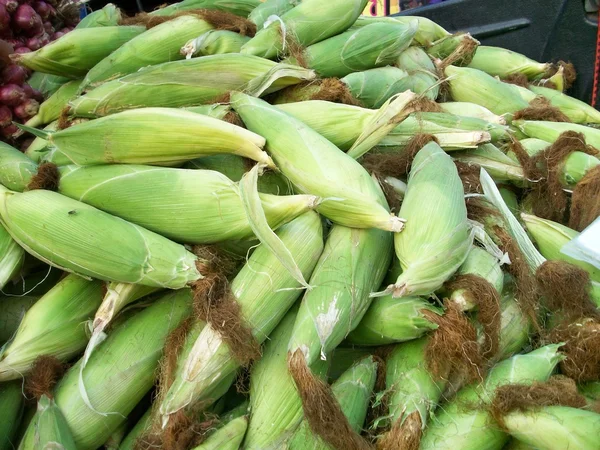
279	224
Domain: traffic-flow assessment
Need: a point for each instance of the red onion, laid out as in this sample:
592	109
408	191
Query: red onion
14	74
5	116
10	5
4	19
9	130
48	27
58	34
33	93
27	109
26	18
37	42
22	50
43	9
12	95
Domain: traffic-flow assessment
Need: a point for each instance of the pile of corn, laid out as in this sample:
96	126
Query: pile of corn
280	225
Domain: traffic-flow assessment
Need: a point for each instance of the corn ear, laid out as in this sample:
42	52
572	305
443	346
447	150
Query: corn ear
550	131
53	326
342	358
108	16
427	30
227	438
12	257
157	45
309	22
455	426
375	45
340	295
132	137
268	8
71	235
315	166
208	205
137	431
73	54
16	169
552	427
423	77
48	428
459	47
439	239
375	86
503	63
215	110
12	401
576	110
45	83
500	166
38	149
264	290
472	110
389	320
276	408
51	109
12	310
238	7
188	83
353	392
214	42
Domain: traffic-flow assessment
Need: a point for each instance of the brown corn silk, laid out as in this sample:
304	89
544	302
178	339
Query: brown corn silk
45	373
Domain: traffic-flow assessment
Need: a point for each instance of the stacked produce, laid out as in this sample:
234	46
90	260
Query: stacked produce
264	225
27	26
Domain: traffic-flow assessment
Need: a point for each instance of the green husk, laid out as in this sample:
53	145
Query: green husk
207	204
53	326
264	290
472	110
137	431
503	63
389	320
514	325
342	358
500	166
229	437
214	42
16	169
423	78
120	372
440	237
374	45
314	165
133	137
510	198
12	257
38	149
238	7
189	82
71	235
276	408
157	45
73	54
108	16
427	30
48	428
550	131
268	8
310	22
12	401
45	83
340	295
51	109
458	48
554	427
216	110
458	425
576	110
35	281
12	310
353	393
375	86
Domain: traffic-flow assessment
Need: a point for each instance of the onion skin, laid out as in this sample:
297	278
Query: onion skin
12	95
22	50
14	74
27	109
5	116
10	5
26	18
33	93
4	20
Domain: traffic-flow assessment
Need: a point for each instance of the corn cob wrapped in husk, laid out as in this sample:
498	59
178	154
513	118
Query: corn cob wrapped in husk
142	425
576	110
423	78
12	401
75	53
439	239
500	166
207	204
108	16
53	326
550	131
48	428
455	426
238	7
475	86
503	63
12	257
51	109
510	198
71	235
45	83
133	137
480	263
472	110
264	290
341	287
413	393
342	358
189	82
276	408
554	427
427	30
314	165
372	88
352	391
39	147
214	42
216	110
458	49
268	8
12	310
16	169
229	437
97	399
310	22
114	441
374	45
389	320
157	45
